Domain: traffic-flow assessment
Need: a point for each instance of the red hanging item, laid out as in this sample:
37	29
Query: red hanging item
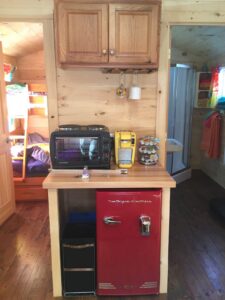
211	135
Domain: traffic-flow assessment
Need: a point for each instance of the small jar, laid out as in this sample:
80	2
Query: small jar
148	150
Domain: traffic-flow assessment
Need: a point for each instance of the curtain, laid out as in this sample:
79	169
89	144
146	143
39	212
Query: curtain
217	88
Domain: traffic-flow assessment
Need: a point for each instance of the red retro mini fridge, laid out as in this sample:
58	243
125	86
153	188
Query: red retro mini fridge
128	241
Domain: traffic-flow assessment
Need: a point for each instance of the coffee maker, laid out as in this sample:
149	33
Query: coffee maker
125	145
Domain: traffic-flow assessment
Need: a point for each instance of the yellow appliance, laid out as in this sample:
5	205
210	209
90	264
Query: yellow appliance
125	145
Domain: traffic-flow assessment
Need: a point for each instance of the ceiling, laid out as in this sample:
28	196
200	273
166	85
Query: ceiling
202	41
20	39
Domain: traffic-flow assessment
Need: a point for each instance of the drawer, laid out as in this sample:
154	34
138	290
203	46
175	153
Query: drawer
78	281
78	255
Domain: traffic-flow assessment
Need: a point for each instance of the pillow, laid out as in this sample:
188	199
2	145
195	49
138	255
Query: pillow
41	155
34	165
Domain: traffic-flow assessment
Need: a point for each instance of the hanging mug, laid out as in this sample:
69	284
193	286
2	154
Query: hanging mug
135	90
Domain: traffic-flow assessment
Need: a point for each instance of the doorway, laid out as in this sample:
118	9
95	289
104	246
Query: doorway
198	48
26	97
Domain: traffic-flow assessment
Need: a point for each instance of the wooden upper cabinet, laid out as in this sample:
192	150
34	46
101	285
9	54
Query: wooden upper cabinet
82	33
108	33
133	33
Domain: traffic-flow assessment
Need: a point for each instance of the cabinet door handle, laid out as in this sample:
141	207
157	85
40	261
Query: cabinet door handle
110	221
104	51
78	246
112	52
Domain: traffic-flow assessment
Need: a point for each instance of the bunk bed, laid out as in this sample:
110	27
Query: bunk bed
37	156
36	168
29	140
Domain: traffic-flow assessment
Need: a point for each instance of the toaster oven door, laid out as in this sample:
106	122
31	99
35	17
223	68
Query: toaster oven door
77	150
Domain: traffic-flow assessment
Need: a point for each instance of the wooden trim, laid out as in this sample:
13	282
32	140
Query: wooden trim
152	67
174	13
49	52
110	1
55	241
30	10
30	193
50	70
3	106
138	177
164	240
163	92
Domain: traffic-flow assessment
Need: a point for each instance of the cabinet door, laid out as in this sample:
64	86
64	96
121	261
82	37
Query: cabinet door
82	33
133	33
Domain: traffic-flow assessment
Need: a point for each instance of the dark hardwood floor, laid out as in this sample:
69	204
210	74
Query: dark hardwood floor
196	260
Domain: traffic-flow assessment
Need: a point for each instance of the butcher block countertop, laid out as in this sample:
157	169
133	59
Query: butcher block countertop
138	176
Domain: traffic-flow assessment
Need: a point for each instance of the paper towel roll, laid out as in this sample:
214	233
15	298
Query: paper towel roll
135	93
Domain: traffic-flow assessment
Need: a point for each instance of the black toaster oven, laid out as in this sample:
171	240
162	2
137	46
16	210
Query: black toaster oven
74	147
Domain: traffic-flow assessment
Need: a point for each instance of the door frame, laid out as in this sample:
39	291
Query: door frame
7	194
186	12
182	13
50	64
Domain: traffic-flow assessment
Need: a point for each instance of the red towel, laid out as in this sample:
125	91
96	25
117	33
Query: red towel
211	135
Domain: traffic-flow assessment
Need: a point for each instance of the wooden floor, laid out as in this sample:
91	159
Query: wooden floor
197	249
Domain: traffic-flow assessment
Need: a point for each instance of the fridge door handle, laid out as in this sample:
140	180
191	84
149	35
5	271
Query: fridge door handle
110	220
145	225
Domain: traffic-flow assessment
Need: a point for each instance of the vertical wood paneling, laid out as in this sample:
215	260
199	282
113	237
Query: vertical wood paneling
164	240
163	91
55	246
214	168
31	68
197	120
50	70
89	97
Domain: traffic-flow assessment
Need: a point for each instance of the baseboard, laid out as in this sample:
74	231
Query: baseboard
182	176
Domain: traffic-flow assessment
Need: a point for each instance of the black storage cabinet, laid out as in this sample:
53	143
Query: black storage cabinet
78	258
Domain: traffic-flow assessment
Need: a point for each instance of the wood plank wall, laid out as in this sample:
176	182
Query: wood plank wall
196	134
89	97
37	120
214	168
173	12
31	68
